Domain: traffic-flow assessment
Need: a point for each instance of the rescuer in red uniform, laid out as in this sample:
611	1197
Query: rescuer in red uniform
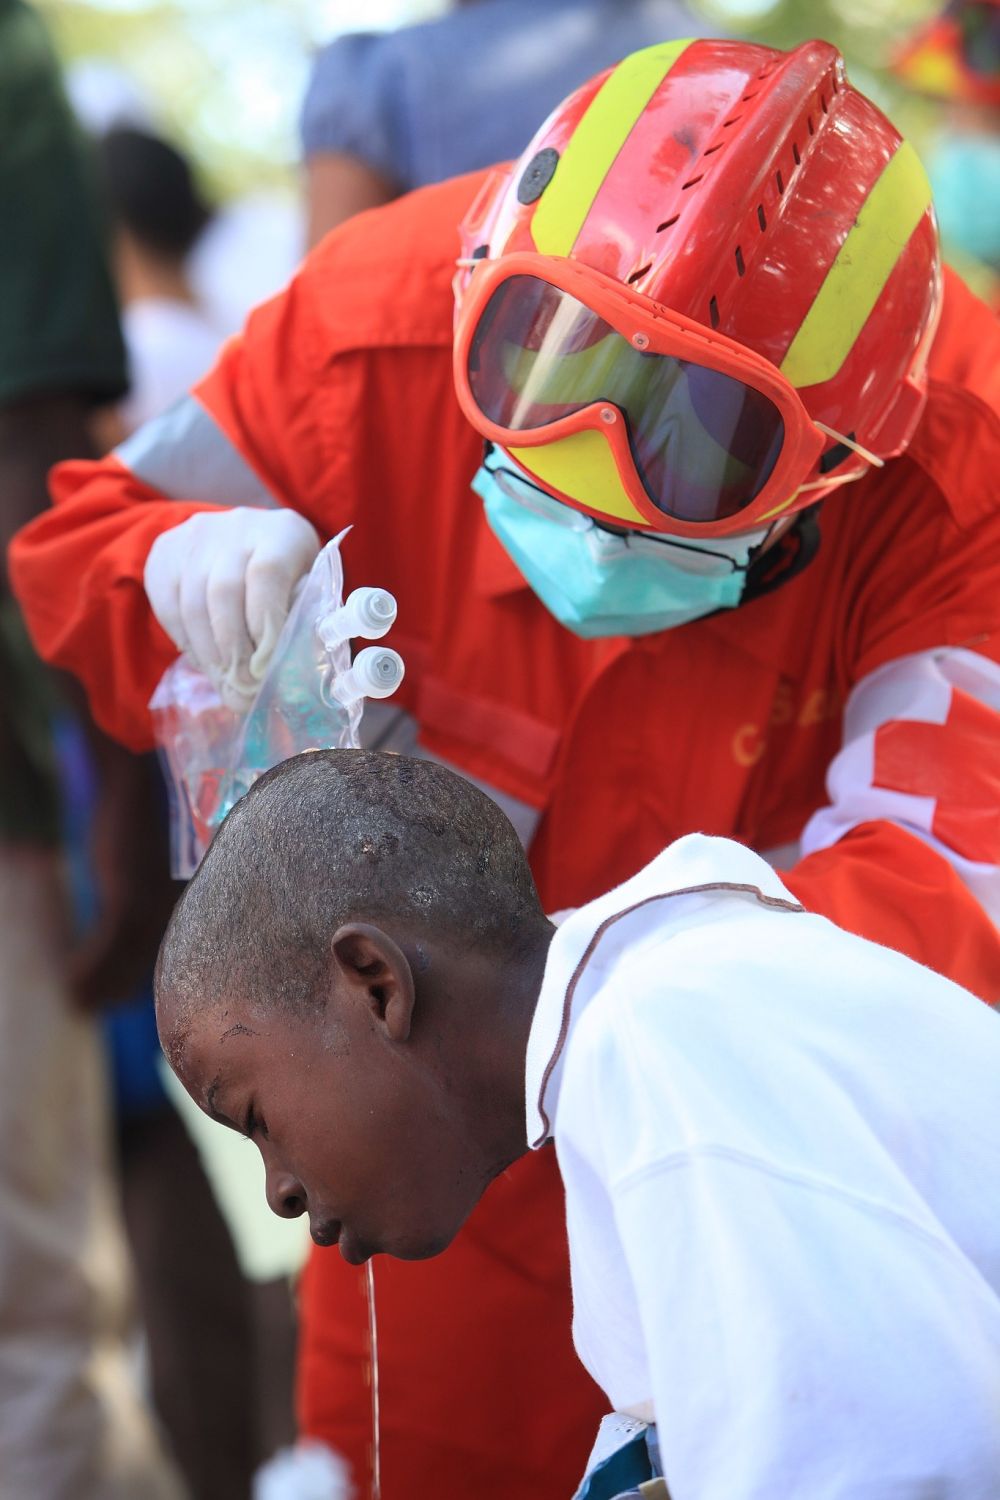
734	569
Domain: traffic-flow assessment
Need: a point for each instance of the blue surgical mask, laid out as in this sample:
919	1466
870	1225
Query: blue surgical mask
964	170
598	583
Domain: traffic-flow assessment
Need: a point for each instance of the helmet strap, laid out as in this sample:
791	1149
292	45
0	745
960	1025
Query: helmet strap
781	563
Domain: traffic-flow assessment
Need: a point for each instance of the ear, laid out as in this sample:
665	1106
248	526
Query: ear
378	971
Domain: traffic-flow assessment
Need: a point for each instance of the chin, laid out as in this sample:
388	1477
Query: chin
420	1243
423	1246
355	1252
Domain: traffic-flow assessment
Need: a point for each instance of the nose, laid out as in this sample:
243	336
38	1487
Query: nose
286	1196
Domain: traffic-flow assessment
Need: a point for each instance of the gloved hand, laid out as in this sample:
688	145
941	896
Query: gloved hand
221	585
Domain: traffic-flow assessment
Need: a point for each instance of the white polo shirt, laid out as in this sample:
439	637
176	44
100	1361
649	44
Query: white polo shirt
780	1146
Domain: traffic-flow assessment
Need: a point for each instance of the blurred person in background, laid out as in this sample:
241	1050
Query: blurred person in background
391	111
72	1425
249	245
157	215
955	58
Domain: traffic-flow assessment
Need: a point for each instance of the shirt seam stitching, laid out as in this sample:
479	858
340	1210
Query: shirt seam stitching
739	887
869	1206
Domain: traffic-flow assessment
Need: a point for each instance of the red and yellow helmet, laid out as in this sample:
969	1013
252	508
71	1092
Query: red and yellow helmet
956	55
705	293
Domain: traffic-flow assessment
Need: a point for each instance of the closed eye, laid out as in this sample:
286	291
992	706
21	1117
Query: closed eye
253	1123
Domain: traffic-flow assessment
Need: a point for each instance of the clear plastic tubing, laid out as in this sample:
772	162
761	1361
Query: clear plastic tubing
368	613
376	1493
376	672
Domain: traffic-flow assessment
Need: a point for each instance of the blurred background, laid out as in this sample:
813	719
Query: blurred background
225	78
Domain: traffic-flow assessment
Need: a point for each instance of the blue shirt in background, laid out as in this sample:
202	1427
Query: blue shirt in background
432	101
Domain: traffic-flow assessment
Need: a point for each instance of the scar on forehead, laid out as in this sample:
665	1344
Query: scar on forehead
238	1030
174	1044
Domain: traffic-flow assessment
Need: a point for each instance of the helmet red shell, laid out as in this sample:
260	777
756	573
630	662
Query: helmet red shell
758	193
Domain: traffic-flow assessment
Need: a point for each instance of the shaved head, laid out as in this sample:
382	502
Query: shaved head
350	980
331	837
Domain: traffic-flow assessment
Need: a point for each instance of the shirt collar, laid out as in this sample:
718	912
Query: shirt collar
589	941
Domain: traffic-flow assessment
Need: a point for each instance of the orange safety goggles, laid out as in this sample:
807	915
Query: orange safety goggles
625	410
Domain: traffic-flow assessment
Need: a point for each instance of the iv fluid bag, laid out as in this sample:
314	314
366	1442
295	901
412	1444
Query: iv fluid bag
310	698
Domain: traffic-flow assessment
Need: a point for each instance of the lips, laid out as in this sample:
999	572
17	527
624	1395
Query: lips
331	1232
327	1233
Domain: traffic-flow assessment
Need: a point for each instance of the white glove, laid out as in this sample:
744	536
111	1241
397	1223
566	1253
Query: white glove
221	585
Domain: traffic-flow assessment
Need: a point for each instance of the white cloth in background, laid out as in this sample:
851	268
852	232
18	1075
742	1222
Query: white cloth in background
171	345
246	253
781	1152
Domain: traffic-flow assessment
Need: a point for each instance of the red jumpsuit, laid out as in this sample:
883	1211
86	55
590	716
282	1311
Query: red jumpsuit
338	401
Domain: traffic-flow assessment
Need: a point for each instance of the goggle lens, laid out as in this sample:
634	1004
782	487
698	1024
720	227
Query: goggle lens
703	443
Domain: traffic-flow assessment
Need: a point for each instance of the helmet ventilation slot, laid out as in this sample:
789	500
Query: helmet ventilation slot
782	175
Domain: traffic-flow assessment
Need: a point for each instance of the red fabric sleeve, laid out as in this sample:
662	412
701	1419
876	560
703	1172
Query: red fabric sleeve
77	569
922	571
336	394
77	572
887	885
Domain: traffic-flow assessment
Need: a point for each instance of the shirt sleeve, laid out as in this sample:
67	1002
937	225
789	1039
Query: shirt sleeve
350	105
803	1341
249	434
302	409
58	318
906	850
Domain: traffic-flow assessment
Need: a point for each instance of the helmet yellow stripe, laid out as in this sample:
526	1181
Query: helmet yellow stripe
583	467
864	263
594	144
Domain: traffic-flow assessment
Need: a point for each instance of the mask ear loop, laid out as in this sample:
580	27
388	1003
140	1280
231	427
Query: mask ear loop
766	574
830	482
865	453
